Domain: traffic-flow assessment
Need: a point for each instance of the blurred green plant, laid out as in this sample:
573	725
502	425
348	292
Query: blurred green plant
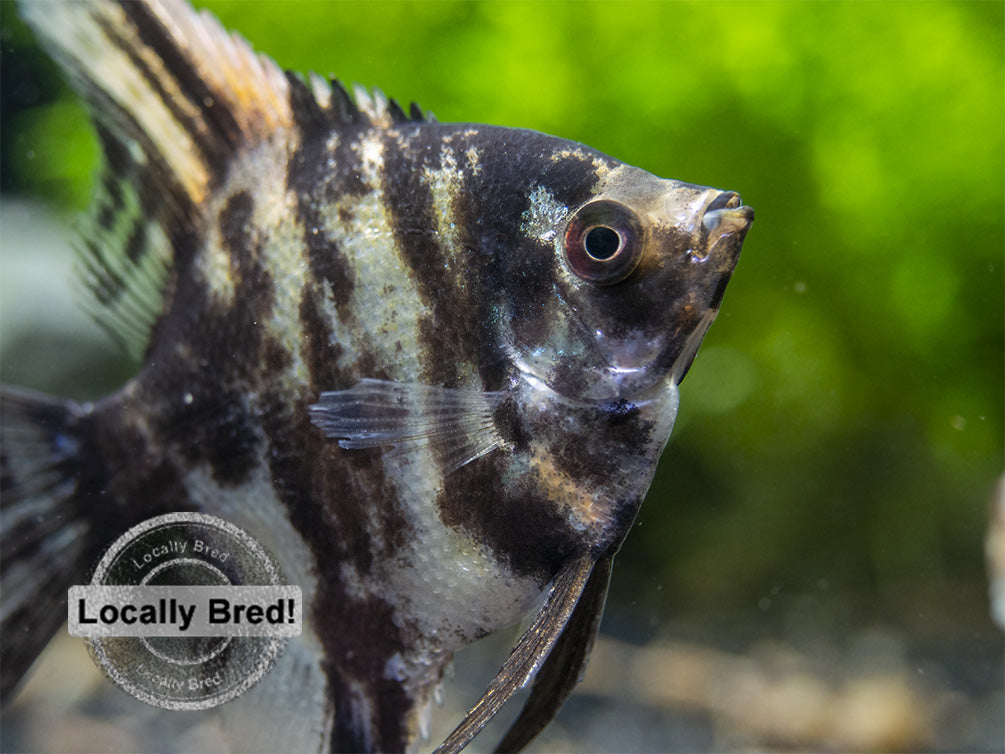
843	422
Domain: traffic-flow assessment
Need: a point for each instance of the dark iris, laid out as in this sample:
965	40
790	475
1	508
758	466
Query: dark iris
602	243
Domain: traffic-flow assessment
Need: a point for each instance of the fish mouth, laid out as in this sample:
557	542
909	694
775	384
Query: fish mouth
726	205
726	220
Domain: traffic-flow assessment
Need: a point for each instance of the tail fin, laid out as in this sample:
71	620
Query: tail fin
43	527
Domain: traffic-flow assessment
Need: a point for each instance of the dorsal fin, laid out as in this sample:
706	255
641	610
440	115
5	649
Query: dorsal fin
372	107
174	98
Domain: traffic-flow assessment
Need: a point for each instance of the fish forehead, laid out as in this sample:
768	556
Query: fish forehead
667	202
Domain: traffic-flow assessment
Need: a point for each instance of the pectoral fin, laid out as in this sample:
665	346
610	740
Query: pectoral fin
405	417
527	656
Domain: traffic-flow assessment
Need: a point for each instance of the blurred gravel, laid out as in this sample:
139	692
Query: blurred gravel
671	695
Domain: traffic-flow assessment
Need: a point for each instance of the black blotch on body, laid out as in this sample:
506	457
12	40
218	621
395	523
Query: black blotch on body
457	285
525	531
274	357
509	425
124	475
322	354
311	178
199	408
329	265
236	225
220	432
255	294
210	355
616	429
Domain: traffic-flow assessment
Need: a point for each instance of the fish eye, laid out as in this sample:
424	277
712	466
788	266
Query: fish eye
603	242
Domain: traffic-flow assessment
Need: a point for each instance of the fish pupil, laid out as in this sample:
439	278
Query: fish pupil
602	242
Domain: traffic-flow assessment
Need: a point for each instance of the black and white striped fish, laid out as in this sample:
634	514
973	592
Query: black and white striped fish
430	366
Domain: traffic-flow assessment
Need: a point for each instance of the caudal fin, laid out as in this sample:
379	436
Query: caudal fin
44	541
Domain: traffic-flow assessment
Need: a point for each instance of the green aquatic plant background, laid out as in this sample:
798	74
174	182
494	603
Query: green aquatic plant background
841	429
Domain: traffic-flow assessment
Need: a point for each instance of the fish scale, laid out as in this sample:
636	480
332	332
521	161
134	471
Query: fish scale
391	349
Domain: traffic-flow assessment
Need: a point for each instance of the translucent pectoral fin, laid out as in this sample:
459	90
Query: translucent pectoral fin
533	649
405	417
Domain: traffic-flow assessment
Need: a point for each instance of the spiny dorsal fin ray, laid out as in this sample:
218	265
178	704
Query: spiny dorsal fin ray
363	106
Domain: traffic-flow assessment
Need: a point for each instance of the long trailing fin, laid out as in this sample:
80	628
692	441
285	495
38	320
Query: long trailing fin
43	525
529	653
457	425
565	665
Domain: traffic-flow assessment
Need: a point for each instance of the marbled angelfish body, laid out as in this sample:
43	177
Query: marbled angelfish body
430	366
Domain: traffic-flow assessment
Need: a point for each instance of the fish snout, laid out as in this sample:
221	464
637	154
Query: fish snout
724	224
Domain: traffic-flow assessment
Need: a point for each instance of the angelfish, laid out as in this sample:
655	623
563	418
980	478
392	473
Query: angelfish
431	367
